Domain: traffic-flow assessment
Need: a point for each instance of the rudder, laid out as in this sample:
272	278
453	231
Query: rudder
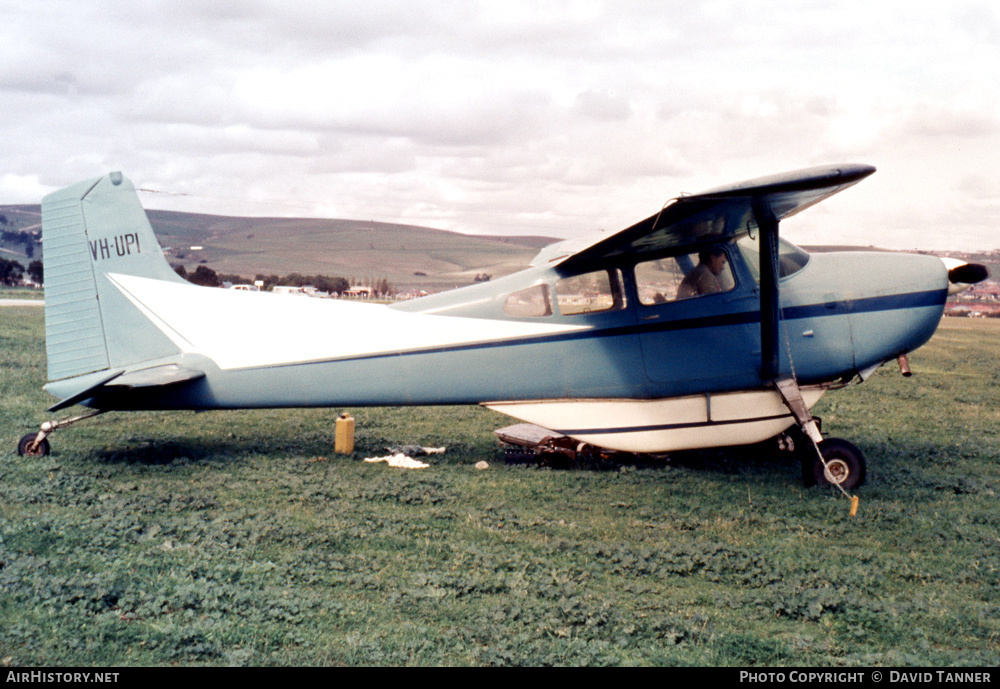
90	230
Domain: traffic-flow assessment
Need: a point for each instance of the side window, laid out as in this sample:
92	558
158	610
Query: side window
683	277
791	259
532	302
589	293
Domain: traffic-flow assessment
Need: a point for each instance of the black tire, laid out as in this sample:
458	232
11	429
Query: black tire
796	443
24	447
808	457
847	465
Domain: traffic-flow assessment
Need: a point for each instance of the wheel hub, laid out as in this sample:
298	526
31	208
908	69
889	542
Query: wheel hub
836	471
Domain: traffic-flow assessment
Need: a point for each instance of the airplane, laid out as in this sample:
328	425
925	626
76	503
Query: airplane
697	327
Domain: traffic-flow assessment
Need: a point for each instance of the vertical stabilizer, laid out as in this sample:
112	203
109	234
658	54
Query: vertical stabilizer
90	230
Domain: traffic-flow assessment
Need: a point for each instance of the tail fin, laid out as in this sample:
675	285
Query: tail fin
90	230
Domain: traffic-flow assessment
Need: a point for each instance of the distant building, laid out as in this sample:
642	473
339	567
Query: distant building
982	299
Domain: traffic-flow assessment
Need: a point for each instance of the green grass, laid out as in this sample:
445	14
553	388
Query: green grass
21	293
239	538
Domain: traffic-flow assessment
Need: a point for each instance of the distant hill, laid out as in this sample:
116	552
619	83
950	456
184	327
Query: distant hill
406	255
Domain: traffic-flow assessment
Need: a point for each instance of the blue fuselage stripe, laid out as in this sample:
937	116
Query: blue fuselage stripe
840	308
667	426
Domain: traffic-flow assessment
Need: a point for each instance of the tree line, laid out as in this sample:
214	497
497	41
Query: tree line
203	275
28	239
12	272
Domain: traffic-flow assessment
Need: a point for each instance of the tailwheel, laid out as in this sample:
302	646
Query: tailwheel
36	445
28	447
845	465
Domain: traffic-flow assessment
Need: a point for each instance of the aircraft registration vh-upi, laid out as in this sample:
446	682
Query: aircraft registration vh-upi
697	327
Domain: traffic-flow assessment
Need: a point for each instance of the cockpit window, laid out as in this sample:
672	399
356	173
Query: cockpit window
791	259
683	277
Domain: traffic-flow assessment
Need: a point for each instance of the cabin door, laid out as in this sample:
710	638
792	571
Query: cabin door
697	324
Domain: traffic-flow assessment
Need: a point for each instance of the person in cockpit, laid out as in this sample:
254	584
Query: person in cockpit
704	279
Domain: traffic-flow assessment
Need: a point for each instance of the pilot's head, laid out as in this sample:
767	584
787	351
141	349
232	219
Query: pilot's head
715	259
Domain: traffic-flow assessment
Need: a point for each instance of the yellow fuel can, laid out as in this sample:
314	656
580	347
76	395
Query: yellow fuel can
343	443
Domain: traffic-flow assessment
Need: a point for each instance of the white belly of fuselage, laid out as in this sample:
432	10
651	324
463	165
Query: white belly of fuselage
664	425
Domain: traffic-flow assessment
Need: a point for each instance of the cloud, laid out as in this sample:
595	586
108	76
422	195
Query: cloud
509	117
939	120
20	186
603	105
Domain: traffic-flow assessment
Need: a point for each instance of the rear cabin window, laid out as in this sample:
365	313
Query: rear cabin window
589	293
533	302
683	277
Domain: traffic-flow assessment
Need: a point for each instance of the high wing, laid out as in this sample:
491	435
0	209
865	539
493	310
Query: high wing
715	215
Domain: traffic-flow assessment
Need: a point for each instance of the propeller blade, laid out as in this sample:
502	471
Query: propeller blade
968	274
961	274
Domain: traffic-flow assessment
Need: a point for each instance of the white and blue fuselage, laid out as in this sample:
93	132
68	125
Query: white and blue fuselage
606	345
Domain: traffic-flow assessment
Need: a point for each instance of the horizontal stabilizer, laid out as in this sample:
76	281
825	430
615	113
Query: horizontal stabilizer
79	389
93	385
169	374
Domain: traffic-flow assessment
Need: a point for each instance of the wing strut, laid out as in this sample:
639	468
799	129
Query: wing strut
770	321
770	311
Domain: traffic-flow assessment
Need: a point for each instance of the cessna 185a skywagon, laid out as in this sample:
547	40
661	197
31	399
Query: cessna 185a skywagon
696	327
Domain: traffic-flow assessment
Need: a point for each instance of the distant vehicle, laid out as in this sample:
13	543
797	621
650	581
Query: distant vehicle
286	289
696	327
245	288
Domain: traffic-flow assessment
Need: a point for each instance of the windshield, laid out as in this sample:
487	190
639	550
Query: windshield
791	259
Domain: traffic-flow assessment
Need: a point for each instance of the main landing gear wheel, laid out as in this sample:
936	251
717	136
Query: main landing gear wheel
27	446
845	465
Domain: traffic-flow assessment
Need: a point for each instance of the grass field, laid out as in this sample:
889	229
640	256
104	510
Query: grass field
21	293
239	538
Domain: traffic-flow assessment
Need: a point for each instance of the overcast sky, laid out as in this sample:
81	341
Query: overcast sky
508	117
